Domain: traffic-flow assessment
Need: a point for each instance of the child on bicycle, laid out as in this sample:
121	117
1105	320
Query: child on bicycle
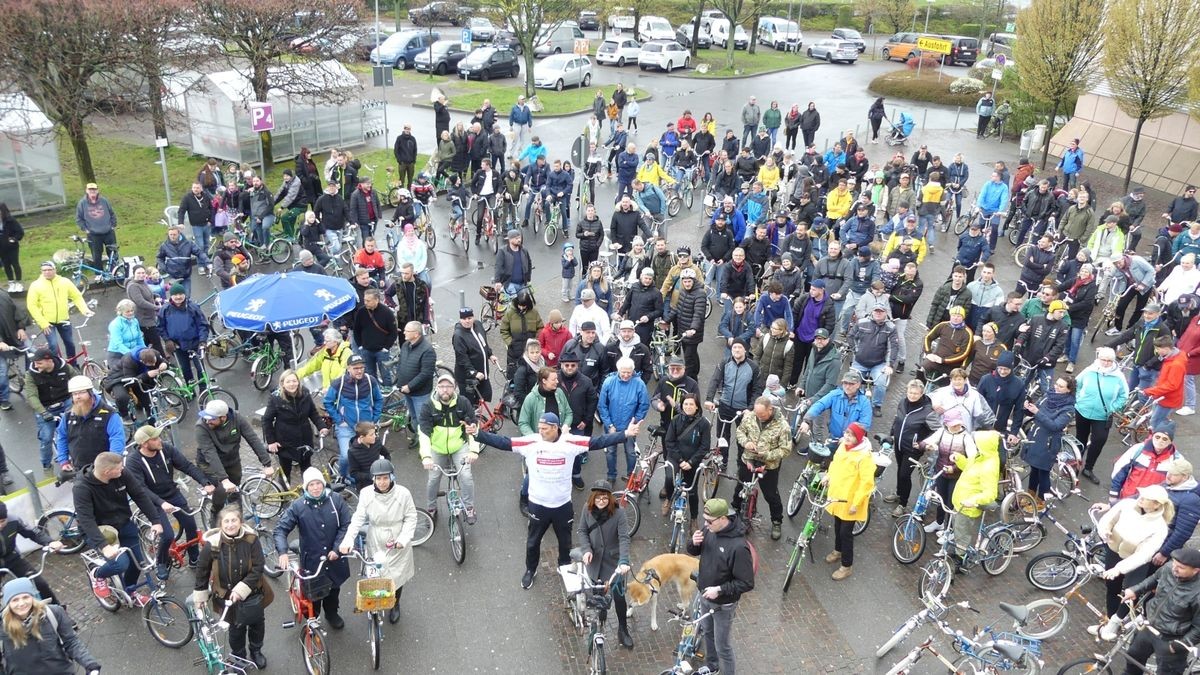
364	451
423	193
459	196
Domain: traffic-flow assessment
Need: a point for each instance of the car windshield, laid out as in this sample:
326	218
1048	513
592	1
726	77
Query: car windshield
440	48
658	25
557	61
478	56
851	33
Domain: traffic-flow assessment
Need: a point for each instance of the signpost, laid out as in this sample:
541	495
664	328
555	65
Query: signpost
1001	60
466	39
928	44
161	144
262	119
582	47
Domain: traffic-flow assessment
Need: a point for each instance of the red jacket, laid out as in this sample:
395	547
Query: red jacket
1169	384
1189	344
552	342
685	125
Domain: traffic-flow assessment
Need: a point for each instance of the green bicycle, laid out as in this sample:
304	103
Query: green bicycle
265	361
803	543
202	389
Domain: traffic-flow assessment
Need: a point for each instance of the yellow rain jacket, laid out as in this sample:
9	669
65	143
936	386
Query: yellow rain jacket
331	366
979	482
851	478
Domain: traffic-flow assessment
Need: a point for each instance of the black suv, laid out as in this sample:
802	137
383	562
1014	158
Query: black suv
437	12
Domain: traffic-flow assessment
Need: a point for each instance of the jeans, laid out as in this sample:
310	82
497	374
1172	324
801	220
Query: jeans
520	140
344	433
1189	391
928	227
416	404
748	132
1070	180
5	359
98	243
127	535
45	434
1159	415
62	331
772	133
901	327
880	378
457	460
202	234
1141	377
188	523
718	636
541	519
374	362
1043	375
846	309
262	230
1074	340
610	455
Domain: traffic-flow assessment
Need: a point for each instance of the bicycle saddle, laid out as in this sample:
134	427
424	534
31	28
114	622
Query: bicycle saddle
655	430
1011	650
1018	612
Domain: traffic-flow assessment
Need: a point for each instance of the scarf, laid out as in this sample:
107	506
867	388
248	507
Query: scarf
1079	283
551	398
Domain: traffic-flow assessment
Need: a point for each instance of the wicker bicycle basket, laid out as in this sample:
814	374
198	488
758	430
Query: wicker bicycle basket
488	293
363	600
66	257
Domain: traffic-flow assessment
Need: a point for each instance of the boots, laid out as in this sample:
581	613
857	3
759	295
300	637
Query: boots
842	572
834	556
257	657
624	636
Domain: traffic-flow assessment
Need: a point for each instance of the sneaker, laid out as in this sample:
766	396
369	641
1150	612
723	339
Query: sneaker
705	670
527	580
524	506
842	573
163	572
935	526
471	516
5	405
1185	411
5	478
336	621
1112	331
432	510
776	531
99	586
1062	359
892	499
1106	631
139	598
1070	367
834	556
666	507
577	482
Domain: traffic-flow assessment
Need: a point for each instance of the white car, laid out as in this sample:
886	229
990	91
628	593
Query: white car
562	70
664	54
654	28
834	50
618	51
620	22
482	30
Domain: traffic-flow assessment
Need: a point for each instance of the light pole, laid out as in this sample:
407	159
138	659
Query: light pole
383	79
921	60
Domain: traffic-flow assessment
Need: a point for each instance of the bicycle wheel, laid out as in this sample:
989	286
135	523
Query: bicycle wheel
1047	617
375	631
149	541
280	251
425	528
598	665
796	497
860	526
120	274
550	234
1014	233
167	621
674	204
457	527
430	236
1052	571
896	638
676	536
908	540
1020	253
633	512
60	525
93	370
1062	479
538	217
793	564
709	482
999	551
261	495
689	198
708	307
171	406
1027	535
1087	665
261	372
935	579
223	352
1017	507
961	223
316	655
389	261
218	394
270	555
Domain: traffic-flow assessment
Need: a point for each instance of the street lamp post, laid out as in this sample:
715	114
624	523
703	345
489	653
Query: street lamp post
928	6
383	79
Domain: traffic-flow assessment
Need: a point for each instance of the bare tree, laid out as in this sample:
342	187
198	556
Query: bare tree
254	37
734	10
531	19
1149	74
52	49
1058	52
158	44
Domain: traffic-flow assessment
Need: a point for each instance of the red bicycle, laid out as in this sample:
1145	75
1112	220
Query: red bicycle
492	419
639	480
177	553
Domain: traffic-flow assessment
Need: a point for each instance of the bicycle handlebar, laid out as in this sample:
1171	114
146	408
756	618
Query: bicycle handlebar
41	568
294	568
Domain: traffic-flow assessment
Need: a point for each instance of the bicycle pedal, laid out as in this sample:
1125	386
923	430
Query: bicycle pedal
288	624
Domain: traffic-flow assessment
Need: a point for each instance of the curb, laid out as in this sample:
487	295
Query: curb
740	77
642	97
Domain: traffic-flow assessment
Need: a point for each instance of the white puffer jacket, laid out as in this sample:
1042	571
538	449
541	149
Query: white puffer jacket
1134	535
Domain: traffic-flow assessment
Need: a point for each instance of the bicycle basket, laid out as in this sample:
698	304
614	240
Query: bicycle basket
218	347
373	595
317	588
488	293
66	257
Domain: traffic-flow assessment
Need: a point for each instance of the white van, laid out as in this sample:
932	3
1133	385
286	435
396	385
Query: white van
719	30
560	40
780	34
654	28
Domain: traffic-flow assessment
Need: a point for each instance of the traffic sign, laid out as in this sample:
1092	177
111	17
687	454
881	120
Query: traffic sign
582	47
1001	60
261	117
1010	27
466	37
997	74
936	45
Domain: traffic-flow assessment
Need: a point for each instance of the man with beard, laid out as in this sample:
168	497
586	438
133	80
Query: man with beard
89	428
582	398
447	423
811	312
219	435
410	295
627	344
473	357
643	305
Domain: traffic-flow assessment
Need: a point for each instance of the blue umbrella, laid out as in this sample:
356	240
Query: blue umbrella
285	301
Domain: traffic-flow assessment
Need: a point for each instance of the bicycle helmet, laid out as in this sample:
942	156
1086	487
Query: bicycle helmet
688	274
683	250
403	194
382	467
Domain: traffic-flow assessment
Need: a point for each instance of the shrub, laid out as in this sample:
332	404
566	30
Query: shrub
926	62
967	85
902	84
845	17
968	29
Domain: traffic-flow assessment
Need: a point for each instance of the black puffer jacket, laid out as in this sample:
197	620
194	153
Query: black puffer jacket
1175	607
911	426
590	234
642	301
688	313
289	421
725	561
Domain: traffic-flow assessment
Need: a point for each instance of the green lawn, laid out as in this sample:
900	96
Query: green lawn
745	63
129	176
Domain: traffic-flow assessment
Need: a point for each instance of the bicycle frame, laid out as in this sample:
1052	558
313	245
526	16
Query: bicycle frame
690	637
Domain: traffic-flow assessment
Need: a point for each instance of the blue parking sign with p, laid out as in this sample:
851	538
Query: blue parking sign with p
466	36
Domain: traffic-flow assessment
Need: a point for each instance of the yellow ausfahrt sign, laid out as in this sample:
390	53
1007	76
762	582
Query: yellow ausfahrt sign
927	44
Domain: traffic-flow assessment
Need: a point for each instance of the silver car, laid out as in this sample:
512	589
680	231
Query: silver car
834	50
562	70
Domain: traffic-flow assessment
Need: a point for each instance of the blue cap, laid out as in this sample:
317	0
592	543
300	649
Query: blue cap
549	418
567	245
18	586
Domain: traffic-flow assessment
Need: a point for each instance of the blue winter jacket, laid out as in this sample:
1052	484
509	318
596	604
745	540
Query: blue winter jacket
1098	395
618	140
175	258
833	159
322	523
622	402
1187	514
972	249
958	173
532	152
519	116
351	401
125	335
560	181
652	199
627	166
1072	161
186	325
1051	420
767	310
536	177
857	231
842	411
993	196
669	142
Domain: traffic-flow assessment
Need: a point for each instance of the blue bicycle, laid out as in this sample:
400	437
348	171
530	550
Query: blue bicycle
116	270
908	540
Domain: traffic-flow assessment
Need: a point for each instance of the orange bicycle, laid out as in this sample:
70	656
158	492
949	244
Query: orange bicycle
312	634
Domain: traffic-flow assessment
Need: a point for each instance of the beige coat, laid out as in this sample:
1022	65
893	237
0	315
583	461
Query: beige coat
391	516
1135	536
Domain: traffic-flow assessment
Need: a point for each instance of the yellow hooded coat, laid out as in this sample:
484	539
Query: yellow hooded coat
979	482
852	479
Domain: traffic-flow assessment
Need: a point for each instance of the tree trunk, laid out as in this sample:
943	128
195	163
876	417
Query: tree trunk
529	63
729	50
258	82
79	146
158	114
400	5
265	138
1137	136
1049	133
752	48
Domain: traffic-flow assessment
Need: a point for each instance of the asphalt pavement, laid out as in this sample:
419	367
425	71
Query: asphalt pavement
475	617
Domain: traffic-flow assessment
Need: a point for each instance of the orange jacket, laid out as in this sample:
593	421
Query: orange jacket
1169	384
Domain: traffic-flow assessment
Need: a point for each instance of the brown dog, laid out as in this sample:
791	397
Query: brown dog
656	573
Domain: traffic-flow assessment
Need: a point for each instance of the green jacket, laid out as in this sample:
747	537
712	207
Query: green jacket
772	118
442	427
534	405
1076	222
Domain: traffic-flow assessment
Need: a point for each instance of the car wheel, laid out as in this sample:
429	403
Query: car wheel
401	63
441	69
558	50
669	66
829	58
621	62
887	55
687	62
485	75
587	80
810	52
642	66
558	86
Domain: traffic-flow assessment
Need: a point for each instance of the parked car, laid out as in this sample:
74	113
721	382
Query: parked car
834	50
900	46
780	34
588	21
562	70
486	63
720	35
963	50
683	35
367	42
618	51
434	13
1001	43
664	54
441	58
557	39
850	35
326	44
654	28
401	48
482	29
507	40
620	22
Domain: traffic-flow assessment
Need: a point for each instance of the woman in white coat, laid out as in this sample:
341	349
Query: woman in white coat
388	511
1134	530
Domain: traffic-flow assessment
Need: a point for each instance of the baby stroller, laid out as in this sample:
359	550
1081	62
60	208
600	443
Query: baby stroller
901	130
